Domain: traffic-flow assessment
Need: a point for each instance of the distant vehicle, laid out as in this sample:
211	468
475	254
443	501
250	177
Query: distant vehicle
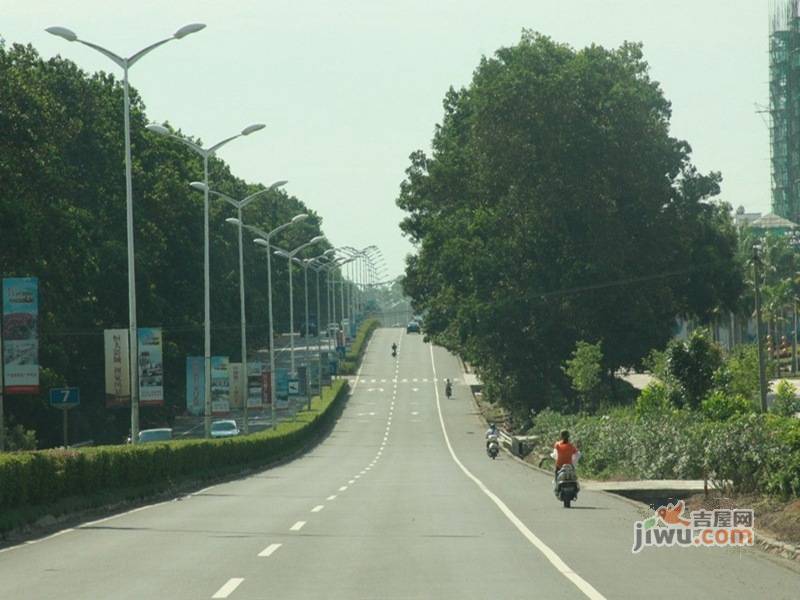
163	434
412	327
313	329
224	429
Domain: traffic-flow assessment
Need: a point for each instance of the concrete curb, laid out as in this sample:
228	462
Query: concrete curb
762	542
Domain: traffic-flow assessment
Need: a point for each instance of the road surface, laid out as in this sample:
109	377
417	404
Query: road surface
389	506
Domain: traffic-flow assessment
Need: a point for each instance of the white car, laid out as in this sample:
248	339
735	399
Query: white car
224	429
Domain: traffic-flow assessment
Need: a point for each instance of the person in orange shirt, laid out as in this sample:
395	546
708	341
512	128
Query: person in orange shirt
564	452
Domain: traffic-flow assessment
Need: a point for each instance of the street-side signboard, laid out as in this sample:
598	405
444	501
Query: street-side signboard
65	397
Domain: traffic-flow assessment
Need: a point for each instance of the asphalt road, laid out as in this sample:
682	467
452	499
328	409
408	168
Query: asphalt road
400	501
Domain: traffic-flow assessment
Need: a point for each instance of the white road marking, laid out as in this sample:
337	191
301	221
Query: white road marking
343	488
331	497
227	589
352	481
414	389
562	567
414	412
318	508
383	381
297	526
414	380
269	550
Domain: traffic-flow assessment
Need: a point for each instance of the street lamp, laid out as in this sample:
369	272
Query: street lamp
205	153
240	204
126	64
265	242
290	254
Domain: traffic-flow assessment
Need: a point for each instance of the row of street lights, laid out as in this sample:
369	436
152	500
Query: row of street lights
264	240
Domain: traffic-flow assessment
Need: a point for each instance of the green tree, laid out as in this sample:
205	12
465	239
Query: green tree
585	368
556	207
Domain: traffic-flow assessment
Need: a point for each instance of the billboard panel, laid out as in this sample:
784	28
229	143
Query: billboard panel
20	337
117	367
195	385
151	366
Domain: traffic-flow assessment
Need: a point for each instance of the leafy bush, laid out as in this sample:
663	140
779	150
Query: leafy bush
693	364
750	452
654	400
720	406
738	375
786	402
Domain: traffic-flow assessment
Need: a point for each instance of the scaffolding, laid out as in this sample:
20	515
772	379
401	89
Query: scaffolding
784	100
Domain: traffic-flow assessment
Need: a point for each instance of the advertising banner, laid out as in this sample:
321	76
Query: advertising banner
220	385
326	367
20	337
313	380
118	367
151	367
236	375
281	388
255	385
266	386
195	385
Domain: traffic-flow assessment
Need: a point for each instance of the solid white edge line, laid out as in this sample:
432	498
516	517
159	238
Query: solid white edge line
227	589
584	586
297	526
269	550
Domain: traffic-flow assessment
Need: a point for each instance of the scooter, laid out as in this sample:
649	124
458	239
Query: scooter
448	390
492	446
566	486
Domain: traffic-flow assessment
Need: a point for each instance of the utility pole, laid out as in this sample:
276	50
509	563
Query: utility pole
762	377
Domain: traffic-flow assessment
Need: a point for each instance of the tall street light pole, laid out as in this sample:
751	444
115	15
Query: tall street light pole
126	64
762	377
265	242
240	204
290	254
205	153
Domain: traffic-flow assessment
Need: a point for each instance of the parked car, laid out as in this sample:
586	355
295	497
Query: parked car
412	327
162	434
225	428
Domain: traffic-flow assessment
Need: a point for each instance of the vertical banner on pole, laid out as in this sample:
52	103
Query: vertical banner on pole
20	337
313	381
117	367
255	385
281	388
220	385
266	387
151	367
195	385
236	375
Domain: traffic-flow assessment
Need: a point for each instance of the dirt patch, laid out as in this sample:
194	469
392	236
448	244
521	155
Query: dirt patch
774	518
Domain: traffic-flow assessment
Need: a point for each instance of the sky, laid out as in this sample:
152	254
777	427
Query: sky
349	88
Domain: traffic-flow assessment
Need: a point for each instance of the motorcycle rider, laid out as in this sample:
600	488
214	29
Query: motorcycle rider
448	387
394	349
564	452
491	434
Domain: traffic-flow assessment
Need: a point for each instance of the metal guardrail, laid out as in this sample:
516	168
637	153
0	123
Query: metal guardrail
518	445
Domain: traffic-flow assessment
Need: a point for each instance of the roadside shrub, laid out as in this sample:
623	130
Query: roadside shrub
693	364
654	400
786	402
349	365
721	406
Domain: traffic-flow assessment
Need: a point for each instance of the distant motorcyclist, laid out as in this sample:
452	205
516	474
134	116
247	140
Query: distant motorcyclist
448	387
564	452
394	349
491	434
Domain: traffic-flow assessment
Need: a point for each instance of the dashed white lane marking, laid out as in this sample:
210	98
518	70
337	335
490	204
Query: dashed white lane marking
352	481
414	412
331	497
227	589
269	550
415	380
297	526
318	508
562	567
343	488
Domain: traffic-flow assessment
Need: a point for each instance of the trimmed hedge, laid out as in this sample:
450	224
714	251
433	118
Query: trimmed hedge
41	478
352	359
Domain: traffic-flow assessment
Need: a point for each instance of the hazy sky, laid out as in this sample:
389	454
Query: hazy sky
349	88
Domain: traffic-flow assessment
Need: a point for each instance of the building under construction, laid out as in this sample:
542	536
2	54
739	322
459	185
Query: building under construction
784	100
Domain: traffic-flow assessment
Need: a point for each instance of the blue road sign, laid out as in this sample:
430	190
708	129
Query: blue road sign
65	397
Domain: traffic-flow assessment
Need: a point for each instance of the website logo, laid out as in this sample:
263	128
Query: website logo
669	526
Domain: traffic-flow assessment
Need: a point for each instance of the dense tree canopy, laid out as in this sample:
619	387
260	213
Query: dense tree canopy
62	211
556	207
